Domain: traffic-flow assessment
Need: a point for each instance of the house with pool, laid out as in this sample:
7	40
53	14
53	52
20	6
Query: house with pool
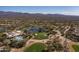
16	35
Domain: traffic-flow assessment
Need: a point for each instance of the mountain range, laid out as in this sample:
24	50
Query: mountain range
36	16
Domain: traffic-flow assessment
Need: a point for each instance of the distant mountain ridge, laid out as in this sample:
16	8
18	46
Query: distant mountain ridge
39	16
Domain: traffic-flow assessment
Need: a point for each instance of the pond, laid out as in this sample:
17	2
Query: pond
35	29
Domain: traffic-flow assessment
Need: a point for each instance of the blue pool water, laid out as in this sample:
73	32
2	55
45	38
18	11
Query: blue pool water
19	38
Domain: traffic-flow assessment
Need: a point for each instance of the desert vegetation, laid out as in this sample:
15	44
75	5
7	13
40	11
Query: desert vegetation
38	32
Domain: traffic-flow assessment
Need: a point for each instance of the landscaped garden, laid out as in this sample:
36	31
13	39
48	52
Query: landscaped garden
37	47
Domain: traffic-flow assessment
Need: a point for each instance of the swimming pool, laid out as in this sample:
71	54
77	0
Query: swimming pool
18	38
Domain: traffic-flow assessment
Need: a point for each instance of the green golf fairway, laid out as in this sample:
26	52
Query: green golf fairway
76	48
37	47
41	35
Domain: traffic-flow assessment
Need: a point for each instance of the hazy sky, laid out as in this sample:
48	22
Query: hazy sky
68	10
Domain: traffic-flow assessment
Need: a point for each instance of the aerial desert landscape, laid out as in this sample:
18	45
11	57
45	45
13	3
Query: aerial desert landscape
38	32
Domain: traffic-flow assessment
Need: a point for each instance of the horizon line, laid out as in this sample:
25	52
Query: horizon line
44	13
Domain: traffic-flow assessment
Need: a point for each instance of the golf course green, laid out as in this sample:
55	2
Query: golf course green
76	48
41	35
37	47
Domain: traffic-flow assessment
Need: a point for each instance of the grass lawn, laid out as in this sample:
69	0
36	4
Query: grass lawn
76	48
41	35
37	47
